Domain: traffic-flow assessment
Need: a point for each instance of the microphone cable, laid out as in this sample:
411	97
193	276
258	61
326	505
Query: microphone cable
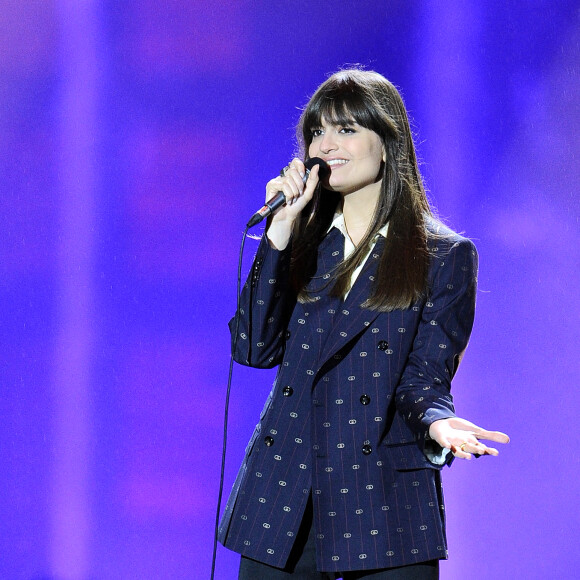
227	401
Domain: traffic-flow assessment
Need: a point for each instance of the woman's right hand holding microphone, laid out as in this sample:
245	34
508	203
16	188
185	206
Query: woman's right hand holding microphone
297	194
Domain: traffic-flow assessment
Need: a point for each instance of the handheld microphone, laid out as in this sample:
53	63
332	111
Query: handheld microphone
279	200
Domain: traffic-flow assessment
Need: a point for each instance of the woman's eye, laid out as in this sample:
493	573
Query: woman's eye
347	130
316	132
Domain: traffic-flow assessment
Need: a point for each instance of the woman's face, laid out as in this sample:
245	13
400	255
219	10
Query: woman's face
353	153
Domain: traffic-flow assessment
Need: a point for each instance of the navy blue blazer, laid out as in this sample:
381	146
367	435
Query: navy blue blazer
348	415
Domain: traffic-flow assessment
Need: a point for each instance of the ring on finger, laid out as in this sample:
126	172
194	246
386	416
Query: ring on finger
462	446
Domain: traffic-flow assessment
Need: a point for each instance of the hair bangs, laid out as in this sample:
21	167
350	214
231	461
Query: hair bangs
342	104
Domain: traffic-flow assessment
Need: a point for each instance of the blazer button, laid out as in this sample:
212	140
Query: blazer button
288	391
365	399
383	345
269	441
287	334
367	449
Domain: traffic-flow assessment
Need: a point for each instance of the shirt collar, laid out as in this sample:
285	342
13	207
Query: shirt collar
338	223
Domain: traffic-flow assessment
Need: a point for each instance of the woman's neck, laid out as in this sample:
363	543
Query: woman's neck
358	209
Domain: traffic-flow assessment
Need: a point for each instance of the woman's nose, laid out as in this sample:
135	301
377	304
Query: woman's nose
328	142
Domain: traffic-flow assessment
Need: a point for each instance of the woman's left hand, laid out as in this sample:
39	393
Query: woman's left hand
463	437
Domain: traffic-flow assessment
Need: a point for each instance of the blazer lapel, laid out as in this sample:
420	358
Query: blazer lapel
330	254
351	318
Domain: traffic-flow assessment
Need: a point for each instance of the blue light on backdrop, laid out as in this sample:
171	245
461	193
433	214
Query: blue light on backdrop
135	142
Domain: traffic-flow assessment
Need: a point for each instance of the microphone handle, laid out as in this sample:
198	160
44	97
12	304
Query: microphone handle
272	205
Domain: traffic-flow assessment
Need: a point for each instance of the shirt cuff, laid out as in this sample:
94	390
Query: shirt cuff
436	454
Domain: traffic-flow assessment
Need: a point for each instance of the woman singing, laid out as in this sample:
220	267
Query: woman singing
366	303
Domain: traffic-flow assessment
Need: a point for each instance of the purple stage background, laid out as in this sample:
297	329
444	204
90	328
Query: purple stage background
136	139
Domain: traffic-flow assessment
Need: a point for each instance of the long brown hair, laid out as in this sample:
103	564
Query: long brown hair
371	101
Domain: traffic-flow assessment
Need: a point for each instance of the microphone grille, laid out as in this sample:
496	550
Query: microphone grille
323	170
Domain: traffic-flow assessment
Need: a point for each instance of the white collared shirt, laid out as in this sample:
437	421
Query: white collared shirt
349	247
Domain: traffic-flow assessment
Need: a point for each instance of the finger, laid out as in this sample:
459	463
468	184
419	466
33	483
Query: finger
470	445
464	425
291	192
475	448
459	452
296	171
312	180
273	187
296	175
496	436
295	185
274	184
308	187
298	164
481	449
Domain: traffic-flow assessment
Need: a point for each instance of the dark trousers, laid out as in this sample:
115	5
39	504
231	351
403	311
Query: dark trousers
302	564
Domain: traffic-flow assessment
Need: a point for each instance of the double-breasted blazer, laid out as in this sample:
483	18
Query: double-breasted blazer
347	419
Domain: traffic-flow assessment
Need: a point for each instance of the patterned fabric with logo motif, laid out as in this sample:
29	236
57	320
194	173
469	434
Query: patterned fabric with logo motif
348	415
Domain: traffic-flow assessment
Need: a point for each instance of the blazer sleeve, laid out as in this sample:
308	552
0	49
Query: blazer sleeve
258	330
424	392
